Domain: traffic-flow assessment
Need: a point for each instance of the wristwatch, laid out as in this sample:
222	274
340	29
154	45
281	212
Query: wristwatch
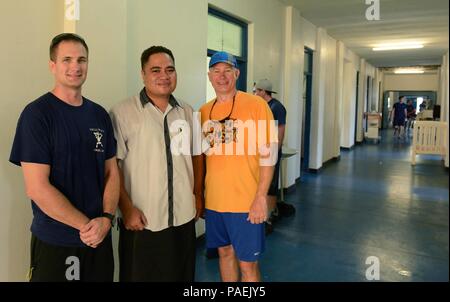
110	217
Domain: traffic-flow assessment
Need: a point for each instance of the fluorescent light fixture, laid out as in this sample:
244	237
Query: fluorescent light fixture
408	71
397	46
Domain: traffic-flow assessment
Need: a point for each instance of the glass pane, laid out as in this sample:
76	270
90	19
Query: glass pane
232	38
215	33
224	35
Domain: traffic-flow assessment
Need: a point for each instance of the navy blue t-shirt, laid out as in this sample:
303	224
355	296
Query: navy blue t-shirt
279	114
74	141
399	113
278	111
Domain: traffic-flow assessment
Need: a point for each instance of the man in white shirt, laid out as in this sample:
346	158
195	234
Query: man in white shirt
157	201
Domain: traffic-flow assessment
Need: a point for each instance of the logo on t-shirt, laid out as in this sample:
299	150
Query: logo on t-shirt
98	134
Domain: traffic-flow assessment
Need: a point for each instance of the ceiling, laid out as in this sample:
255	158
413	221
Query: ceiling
424	21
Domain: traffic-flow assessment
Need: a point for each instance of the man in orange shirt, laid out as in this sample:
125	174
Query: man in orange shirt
239	168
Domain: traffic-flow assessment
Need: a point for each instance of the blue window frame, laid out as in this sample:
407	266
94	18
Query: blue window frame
241	59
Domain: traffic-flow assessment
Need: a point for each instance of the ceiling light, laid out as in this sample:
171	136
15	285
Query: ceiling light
397	46
408	71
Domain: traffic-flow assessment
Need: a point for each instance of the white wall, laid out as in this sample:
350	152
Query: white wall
330	99
25	76
293	87
349	105
318	101
107	81
362	83
171	24
339	82
411	82
443	96
309	31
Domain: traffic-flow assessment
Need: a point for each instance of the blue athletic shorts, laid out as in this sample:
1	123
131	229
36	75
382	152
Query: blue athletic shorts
222	229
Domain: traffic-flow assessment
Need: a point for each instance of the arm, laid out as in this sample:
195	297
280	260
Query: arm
133	218
95	231
281	130
49	199
258	210
112	186
391	116
198	163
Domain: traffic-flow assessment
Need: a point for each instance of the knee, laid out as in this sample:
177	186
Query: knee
226	251
248	268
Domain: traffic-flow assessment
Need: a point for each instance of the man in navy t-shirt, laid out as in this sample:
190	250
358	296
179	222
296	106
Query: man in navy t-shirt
263	88
65	145
398	117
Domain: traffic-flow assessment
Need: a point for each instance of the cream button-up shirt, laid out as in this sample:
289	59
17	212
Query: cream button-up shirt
160	182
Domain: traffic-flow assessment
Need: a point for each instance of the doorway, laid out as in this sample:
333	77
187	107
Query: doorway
307	102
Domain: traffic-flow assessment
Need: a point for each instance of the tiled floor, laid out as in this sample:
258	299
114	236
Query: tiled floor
370	203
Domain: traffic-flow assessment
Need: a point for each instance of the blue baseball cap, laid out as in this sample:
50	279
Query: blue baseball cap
223	57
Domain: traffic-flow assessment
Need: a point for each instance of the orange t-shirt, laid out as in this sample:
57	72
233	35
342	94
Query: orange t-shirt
234	157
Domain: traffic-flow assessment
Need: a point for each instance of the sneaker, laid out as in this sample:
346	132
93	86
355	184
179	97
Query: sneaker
285	209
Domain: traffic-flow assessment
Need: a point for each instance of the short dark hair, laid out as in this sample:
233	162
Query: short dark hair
401	97
154	50
65	37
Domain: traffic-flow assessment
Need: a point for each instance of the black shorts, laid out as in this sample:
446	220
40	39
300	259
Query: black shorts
273	189
167	255
399	122
62	264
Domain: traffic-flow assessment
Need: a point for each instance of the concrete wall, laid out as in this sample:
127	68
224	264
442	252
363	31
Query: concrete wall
411	82
349	105
24	60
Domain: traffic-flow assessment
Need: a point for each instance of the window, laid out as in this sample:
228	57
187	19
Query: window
229	34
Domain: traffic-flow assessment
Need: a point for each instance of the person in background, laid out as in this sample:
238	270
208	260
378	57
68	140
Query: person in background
263	88
410	115
398	117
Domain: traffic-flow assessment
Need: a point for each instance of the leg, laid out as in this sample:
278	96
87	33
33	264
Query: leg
271	203
401	131
228	264
126	240
48	263
98	264
395	131
249	271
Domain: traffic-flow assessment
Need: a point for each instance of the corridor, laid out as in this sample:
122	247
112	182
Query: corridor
371	202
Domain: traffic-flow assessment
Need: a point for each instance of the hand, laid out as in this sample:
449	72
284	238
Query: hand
134	219
199	206
258	210
93	233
